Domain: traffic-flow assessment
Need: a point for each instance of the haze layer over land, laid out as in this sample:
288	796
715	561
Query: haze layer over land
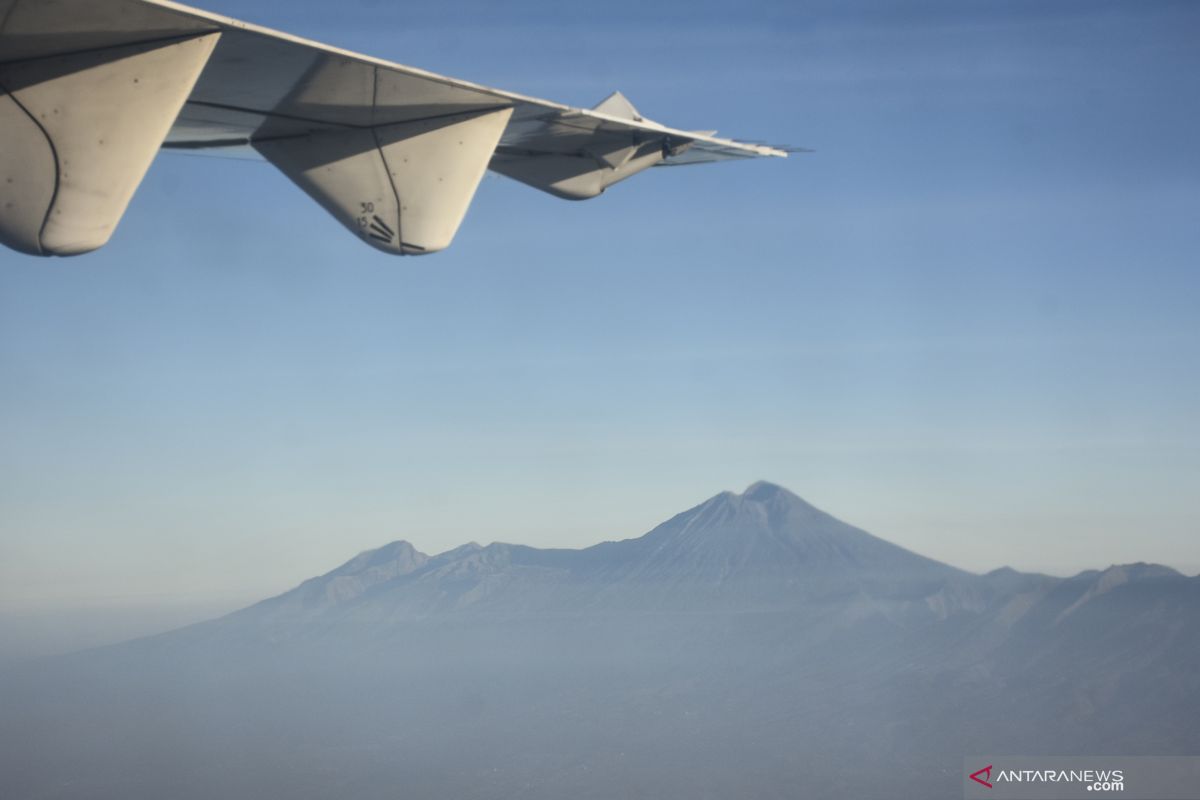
752	646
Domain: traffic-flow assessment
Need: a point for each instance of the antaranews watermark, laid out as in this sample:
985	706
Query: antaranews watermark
1081	777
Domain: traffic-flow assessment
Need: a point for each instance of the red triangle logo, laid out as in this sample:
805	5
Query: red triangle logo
986	772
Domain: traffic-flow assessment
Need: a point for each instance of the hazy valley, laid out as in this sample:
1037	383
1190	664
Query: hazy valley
752	646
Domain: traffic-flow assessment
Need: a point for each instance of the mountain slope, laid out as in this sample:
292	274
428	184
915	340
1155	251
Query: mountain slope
765	531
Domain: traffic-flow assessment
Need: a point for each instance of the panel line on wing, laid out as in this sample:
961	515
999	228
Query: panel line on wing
53	155
162	40
220	143
274	114
386	166
7	15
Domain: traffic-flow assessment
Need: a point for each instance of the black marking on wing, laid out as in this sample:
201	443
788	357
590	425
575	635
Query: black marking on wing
381	227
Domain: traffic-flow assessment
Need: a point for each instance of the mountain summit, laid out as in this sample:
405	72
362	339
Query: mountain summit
767	532
764	548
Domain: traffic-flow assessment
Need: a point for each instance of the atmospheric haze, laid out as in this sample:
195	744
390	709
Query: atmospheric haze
752	646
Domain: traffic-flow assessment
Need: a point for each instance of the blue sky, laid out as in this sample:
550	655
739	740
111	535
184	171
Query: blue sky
967	322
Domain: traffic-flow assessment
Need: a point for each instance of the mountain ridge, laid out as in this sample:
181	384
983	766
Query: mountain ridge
758	540
765	549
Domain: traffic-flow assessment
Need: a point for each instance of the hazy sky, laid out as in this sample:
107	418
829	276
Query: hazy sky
967	323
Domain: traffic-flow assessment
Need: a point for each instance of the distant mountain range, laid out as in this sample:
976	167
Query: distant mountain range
765	548
752	646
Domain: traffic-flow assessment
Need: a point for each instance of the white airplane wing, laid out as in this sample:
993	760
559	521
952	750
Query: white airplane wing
90	90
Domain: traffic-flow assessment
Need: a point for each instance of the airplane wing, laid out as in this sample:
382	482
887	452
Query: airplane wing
91	90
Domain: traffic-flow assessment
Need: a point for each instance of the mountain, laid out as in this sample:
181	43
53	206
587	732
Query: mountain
765	534
763	549
751	646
